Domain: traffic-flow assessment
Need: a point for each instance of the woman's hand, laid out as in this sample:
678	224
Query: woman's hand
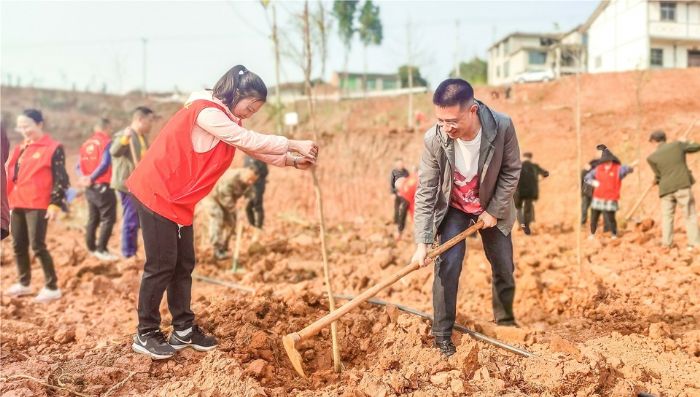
307	149
299	162
52	212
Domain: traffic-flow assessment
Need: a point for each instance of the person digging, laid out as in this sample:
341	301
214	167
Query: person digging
221	205
469	171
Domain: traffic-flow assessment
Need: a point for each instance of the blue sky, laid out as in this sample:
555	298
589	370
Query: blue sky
190	44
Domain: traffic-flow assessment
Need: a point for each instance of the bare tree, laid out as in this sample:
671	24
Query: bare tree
276	48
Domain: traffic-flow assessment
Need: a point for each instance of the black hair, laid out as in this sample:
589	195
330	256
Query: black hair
527	155
102	123
34	114
141	111
238	83
453	92
658	136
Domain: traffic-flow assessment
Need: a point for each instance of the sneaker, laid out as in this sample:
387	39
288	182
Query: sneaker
193	337
152	344
526	229
105	256
447	348
48	295
18	289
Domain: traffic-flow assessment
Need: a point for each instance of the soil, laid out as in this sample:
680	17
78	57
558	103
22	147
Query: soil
623	322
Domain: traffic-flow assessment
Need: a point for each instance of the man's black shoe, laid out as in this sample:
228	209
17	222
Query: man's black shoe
526	229
507	323
194	338
446	346
153	344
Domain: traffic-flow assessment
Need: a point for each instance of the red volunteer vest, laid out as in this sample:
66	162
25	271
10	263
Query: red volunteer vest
91	155
408	191
34	182
172	178
610	182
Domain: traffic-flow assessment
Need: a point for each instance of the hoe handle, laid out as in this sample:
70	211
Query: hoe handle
324	321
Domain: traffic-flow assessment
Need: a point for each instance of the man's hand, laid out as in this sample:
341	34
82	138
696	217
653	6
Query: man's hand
84	181
488	219
420	255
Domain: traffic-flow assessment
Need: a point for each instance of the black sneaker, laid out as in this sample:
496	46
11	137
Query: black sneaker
153	344
526	229
446	346
220	255
194	337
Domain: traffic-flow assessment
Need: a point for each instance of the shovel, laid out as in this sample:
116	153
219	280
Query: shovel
289	341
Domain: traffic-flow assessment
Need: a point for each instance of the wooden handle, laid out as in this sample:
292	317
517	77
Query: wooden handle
315	327
638	203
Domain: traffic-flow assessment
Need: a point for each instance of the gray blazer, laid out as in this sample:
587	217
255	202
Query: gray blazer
499	171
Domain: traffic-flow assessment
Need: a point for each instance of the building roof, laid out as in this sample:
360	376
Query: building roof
526	34
369	75
596	13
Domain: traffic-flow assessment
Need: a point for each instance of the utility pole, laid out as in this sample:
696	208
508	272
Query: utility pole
144	43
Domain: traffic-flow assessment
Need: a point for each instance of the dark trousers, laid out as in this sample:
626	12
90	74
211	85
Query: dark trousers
254	208
526	210
585	205
608	219
169	263
130	225
102	212
499	252
28	227
400	212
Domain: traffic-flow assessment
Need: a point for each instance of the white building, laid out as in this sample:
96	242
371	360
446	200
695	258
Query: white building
641	34
519	53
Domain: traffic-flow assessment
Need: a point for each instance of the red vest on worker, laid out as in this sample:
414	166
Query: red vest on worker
31	187
608	177
91	155
172	178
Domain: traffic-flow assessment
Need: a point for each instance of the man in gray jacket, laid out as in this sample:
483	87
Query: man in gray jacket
469	171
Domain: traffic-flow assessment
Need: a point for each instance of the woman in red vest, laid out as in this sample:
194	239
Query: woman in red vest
180	168
36	186
606	179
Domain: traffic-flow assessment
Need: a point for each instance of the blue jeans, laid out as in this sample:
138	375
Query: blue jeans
499	252
130	225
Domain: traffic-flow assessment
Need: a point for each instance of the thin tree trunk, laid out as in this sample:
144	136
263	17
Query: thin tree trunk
337	364
577	122
278	97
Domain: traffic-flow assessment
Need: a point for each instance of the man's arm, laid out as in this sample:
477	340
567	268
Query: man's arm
120	145
655	168
105	162
542	171
691	147
426	195
508	176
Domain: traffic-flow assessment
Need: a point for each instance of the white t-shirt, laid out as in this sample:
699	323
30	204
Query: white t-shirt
467	156
465	181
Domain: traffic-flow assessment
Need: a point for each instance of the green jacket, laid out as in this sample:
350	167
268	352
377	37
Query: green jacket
670	167
229	188
122	163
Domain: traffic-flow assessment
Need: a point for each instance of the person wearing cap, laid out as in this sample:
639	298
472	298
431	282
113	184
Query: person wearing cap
528	191
674	178
586	191
189	155
606	179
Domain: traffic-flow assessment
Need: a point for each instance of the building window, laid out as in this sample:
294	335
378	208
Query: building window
506	69
536	57
598	62
668	11
498	71
657	57
506	47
